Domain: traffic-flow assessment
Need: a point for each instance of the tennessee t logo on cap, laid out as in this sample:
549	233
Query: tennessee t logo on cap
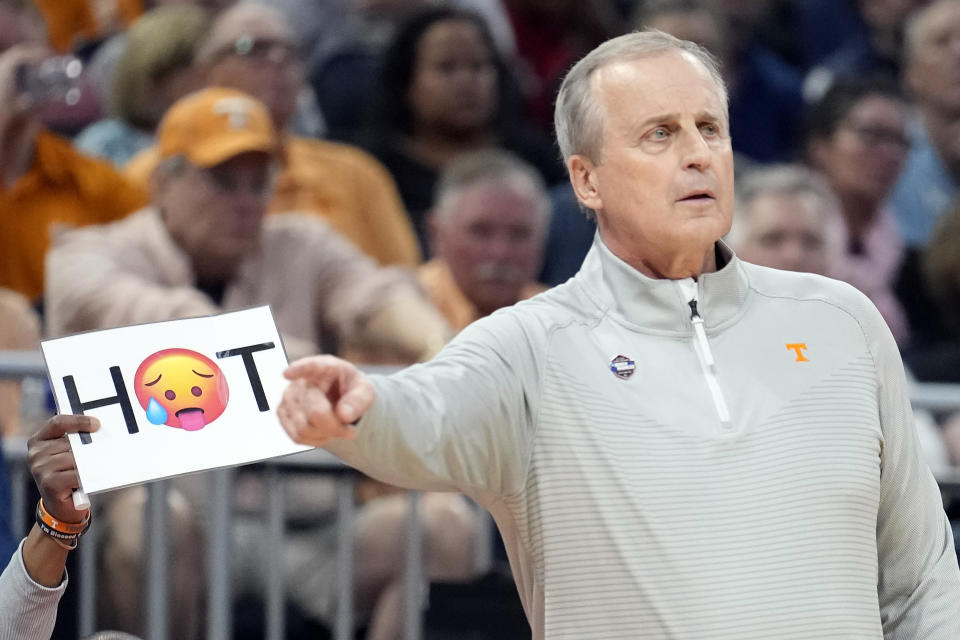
622	366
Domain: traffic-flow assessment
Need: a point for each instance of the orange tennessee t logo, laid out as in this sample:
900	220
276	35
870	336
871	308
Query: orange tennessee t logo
799	348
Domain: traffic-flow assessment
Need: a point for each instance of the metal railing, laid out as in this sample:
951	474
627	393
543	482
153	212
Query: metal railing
26	364
932	397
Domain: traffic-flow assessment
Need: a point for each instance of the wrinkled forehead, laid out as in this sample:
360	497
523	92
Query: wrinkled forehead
651	78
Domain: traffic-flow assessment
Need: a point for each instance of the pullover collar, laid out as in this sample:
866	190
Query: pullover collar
659	305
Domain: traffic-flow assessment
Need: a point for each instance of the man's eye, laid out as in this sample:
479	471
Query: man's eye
710	129
660	133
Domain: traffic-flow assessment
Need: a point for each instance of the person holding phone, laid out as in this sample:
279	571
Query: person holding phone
44	181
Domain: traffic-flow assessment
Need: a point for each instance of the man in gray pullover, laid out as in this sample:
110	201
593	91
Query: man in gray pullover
674	443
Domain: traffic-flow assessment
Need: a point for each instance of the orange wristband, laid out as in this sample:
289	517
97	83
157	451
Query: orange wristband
66	529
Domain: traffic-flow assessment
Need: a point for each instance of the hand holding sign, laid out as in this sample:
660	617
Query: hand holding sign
325	397
53	467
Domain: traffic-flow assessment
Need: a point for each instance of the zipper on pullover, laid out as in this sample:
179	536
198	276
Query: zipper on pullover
708	365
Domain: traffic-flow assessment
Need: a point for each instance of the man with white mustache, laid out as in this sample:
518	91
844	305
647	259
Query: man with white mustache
487	231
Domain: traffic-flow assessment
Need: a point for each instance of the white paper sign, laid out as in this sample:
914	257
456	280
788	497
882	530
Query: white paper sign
172	397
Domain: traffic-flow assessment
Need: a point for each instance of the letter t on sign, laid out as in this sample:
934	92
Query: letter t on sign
247	354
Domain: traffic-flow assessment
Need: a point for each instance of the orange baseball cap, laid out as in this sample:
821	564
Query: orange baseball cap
213	125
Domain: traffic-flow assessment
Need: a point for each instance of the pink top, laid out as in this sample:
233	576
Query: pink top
874	270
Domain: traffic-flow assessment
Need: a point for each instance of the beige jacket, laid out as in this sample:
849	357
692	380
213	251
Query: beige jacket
321	289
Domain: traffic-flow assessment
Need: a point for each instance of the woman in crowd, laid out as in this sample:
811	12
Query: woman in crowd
443	91
856	137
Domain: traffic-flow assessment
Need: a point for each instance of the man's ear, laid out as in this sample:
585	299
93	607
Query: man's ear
585	181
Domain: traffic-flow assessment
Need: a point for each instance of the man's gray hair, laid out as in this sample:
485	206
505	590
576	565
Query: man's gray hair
917	23
578	117
788	180
474	167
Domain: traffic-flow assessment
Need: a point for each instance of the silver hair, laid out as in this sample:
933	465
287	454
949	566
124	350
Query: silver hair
472	168
915	25
578	117
789	180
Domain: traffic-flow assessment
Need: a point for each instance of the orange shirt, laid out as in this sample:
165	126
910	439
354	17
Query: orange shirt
73	22
63	187
436	279
351	190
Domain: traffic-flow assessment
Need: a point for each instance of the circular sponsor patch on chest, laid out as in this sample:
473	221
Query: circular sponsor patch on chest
622	366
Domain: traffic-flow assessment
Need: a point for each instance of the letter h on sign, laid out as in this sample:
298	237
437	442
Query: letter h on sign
77	407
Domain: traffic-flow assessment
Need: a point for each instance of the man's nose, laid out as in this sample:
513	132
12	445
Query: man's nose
696	150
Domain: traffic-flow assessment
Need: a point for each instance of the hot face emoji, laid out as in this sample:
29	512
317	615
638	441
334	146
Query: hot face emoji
181	388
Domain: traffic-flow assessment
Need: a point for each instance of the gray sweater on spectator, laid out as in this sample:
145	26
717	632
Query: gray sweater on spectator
28	610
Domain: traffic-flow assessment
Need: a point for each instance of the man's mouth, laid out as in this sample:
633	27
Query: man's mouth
191	419
697	196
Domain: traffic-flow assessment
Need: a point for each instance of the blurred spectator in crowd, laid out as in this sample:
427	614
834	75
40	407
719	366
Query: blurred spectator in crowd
786	217
444	91
856	137
205	246
43	179
873	45
551	35
938	358
155	69
19	22
343	61
766	100
569	238
251	48
81	25
75	24
19	331
930	179
487	231
825	26
941	262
